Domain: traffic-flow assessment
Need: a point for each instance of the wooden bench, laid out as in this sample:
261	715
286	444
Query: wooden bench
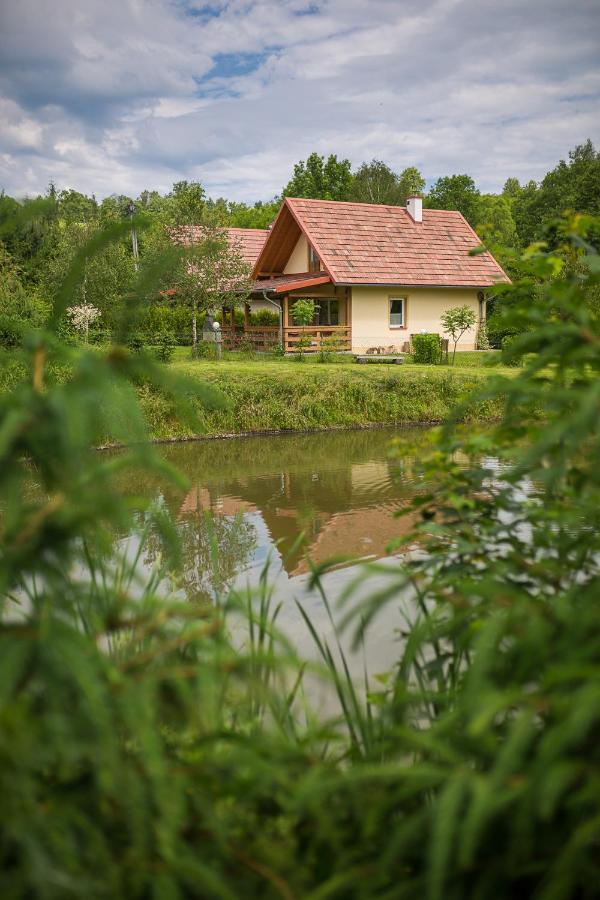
379	358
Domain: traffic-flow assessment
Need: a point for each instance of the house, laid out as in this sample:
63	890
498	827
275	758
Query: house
376	273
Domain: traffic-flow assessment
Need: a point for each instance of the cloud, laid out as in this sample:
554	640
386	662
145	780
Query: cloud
118	95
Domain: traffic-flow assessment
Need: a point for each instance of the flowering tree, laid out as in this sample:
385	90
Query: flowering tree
209	274
82	317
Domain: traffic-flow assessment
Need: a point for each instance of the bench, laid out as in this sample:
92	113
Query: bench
379	358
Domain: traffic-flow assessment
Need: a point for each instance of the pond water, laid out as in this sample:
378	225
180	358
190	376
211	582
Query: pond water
283	500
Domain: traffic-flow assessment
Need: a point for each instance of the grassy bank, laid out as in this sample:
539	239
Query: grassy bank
284	394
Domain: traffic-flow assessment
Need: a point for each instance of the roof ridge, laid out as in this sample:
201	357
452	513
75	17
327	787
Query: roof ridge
240	228
391	206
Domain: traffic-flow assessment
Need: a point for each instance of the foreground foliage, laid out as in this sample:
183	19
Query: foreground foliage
143	755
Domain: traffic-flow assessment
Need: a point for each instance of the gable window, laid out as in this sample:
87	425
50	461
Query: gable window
314	263
397	312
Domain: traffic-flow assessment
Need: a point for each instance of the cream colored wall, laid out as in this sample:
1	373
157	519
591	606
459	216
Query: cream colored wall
424	307
298	261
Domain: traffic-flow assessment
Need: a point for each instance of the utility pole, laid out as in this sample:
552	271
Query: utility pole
134	238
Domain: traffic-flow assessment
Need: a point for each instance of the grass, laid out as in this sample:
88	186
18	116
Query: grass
264	394
268	393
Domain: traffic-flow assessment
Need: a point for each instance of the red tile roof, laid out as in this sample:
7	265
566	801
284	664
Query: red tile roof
363	243
247	241
282	283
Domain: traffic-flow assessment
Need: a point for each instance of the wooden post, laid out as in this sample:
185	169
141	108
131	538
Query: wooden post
246	316
349	316
286	319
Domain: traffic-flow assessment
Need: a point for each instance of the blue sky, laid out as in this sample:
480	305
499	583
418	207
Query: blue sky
120	95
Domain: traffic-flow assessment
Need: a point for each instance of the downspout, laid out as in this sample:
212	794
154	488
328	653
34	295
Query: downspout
279	308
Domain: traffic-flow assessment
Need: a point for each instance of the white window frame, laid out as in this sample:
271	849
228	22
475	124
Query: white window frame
394	324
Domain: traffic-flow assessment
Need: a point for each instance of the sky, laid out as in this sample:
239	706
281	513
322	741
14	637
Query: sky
116	96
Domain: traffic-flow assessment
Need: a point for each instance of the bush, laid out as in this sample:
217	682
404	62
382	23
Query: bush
329	347
483	341
303	342
165	346
11	332
176	319
266	317
136	341
427	349
511	356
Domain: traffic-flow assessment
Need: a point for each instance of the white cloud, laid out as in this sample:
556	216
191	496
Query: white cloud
107	95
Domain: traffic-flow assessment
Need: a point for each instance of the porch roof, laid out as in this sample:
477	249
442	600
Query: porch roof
281	284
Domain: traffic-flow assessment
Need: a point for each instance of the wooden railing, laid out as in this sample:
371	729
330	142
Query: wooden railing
266	337
256	337
311	338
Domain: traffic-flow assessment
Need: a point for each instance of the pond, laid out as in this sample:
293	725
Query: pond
285	500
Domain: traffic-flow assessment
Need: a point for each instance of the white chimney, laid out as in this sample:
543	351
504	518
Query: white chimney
414	206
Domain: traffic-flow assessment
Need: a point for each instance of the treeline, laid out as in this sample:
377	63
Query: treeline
40	236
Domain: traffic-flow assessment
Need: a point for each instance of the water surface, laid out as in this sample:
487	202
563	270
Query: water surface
285	500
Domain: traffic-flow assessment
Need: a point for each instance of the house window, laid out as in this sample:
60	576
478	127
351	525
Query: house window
397	312
328	312
314	263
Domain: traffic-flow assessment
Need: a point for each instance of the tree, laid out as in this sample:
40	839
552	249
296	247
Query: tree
410	182
495	222
303	314
573	185
511	189
456	322
21	307
375	182
107	276
261	215
185	204
456	192
320	179
82	317
207	275
77	208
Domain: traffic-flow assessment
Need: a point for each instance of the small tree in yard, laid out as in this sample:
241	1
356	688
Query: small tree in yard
303	313
456	322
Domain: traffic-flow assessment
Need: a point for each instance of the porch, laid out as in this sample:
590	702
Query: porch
331	328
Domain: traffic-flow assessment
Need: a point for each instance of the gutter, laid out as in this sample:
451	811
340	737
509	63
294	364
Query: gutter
413	287
279	309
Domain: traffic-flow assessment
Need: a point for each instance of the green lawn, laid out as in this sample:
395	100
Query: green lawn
281	394
270	393
480	363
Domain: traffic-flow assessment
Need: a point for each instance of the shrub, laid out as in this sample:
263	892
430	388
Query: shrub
11	332
329	347
511	355
483	341
427	349
165	346
136	341
267	317
303	342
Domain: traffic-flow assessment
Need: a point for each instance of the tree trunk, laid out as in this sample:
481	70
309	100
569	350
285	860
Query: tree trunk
194	334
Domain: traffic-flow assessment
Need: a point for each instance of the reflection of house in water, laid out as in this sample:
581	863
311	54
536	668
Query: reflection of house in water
346	511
